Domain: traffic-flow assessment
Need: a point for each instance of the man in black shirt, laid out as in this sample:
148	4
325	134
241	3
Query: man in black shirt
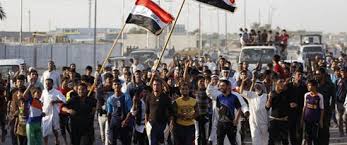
278	102
296	91
82	110
327	89
158	112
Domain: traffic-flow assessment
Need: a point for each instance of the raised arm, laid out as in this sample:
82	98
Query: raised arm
212	92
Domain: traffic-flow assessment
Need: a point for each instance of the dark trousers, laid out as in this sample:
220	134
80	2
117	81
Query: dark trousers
157	133
278	132
140	138
64	124
12	133
2	125
295	131
202	135
118	132
184	135
311	133
22	140
323	133
226	129
79	137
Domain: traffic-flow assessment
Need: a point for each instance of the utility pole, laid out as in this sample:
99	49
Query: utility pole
123	21
218	41
226	29
29	13
21	21
90	16
259	17
244	14
95	14
200	32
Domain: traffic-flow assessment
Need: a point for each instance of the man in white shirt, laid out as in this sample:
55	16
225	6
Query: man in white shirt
52	74
137	66
210	64
50	122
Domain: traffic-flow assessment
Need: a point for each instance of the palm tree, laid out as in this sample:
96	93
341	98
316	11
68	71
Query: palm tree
2	13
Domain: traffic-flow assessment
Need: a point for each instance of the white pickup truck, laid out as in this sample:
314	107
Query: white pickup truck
311	47
254	54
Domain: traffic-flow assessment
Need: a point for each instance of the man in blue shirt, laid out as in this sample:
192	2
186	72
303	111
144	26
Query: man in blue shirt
228	120
118	107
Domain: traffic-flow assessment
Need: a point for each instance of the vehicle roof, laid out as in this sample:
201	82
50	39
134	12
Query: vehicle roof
119	57
4	62
290	61
259	47
143	50
312	45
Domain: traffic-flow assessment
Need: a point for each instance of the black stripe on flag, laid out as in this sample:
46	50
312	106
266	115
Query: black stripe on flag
144	22
220	4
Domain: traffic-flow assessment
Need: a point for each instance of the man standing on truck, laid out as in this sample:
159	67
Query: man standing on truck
284	40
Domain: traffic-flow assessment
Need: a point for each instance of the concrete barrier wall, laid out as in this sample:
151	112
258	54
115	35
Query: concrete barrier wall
37	55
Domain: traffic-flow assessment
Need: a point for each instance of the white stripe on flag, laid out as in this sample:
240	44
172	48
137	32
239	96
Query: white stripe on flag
144	11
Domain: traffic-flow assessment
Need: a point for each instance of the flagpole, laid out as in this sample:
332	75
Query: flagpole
108	55
169	36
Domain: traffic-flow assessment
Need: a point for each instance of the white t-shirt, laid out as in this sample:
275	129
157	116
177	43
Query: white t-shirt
54	75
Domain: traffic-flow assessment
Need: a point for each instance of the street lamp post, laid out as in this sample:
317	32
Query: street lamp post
200	32
94	51
21	21
29	13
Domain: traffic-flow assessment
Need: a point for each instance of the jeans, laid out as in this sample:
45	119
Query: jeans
184	135
157	133
311	133
278	132
103	125
323	133
341	117
118	132
226	129
201	130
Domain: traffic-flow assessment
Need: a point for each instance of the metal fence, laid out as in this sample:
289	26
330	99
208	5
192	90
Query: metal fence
37	55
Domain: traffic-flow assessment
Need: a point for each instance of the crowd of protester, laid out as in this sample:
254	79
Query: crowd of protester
264	37
188	101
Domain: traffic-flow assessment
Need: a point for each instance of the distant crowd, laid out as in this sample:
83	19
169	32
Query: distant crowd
263	37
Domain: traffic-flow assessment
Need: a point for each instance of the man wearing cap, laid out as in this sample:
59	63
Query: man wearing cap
226	75
341	87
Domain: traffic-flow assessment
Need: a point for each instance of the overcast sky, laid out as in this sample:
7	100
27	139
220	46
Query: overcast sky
315	15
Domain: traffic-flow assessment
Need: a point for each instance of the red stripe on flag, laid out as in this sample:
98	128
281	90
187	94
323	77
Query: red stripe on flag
162	14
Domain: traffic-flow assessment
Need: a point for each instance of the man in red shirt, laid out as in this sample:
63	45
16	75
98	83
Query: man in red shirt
277	67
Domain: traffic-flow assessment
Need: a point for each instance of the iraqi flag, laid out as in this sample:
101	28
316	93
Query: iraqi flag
150	16
228	5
